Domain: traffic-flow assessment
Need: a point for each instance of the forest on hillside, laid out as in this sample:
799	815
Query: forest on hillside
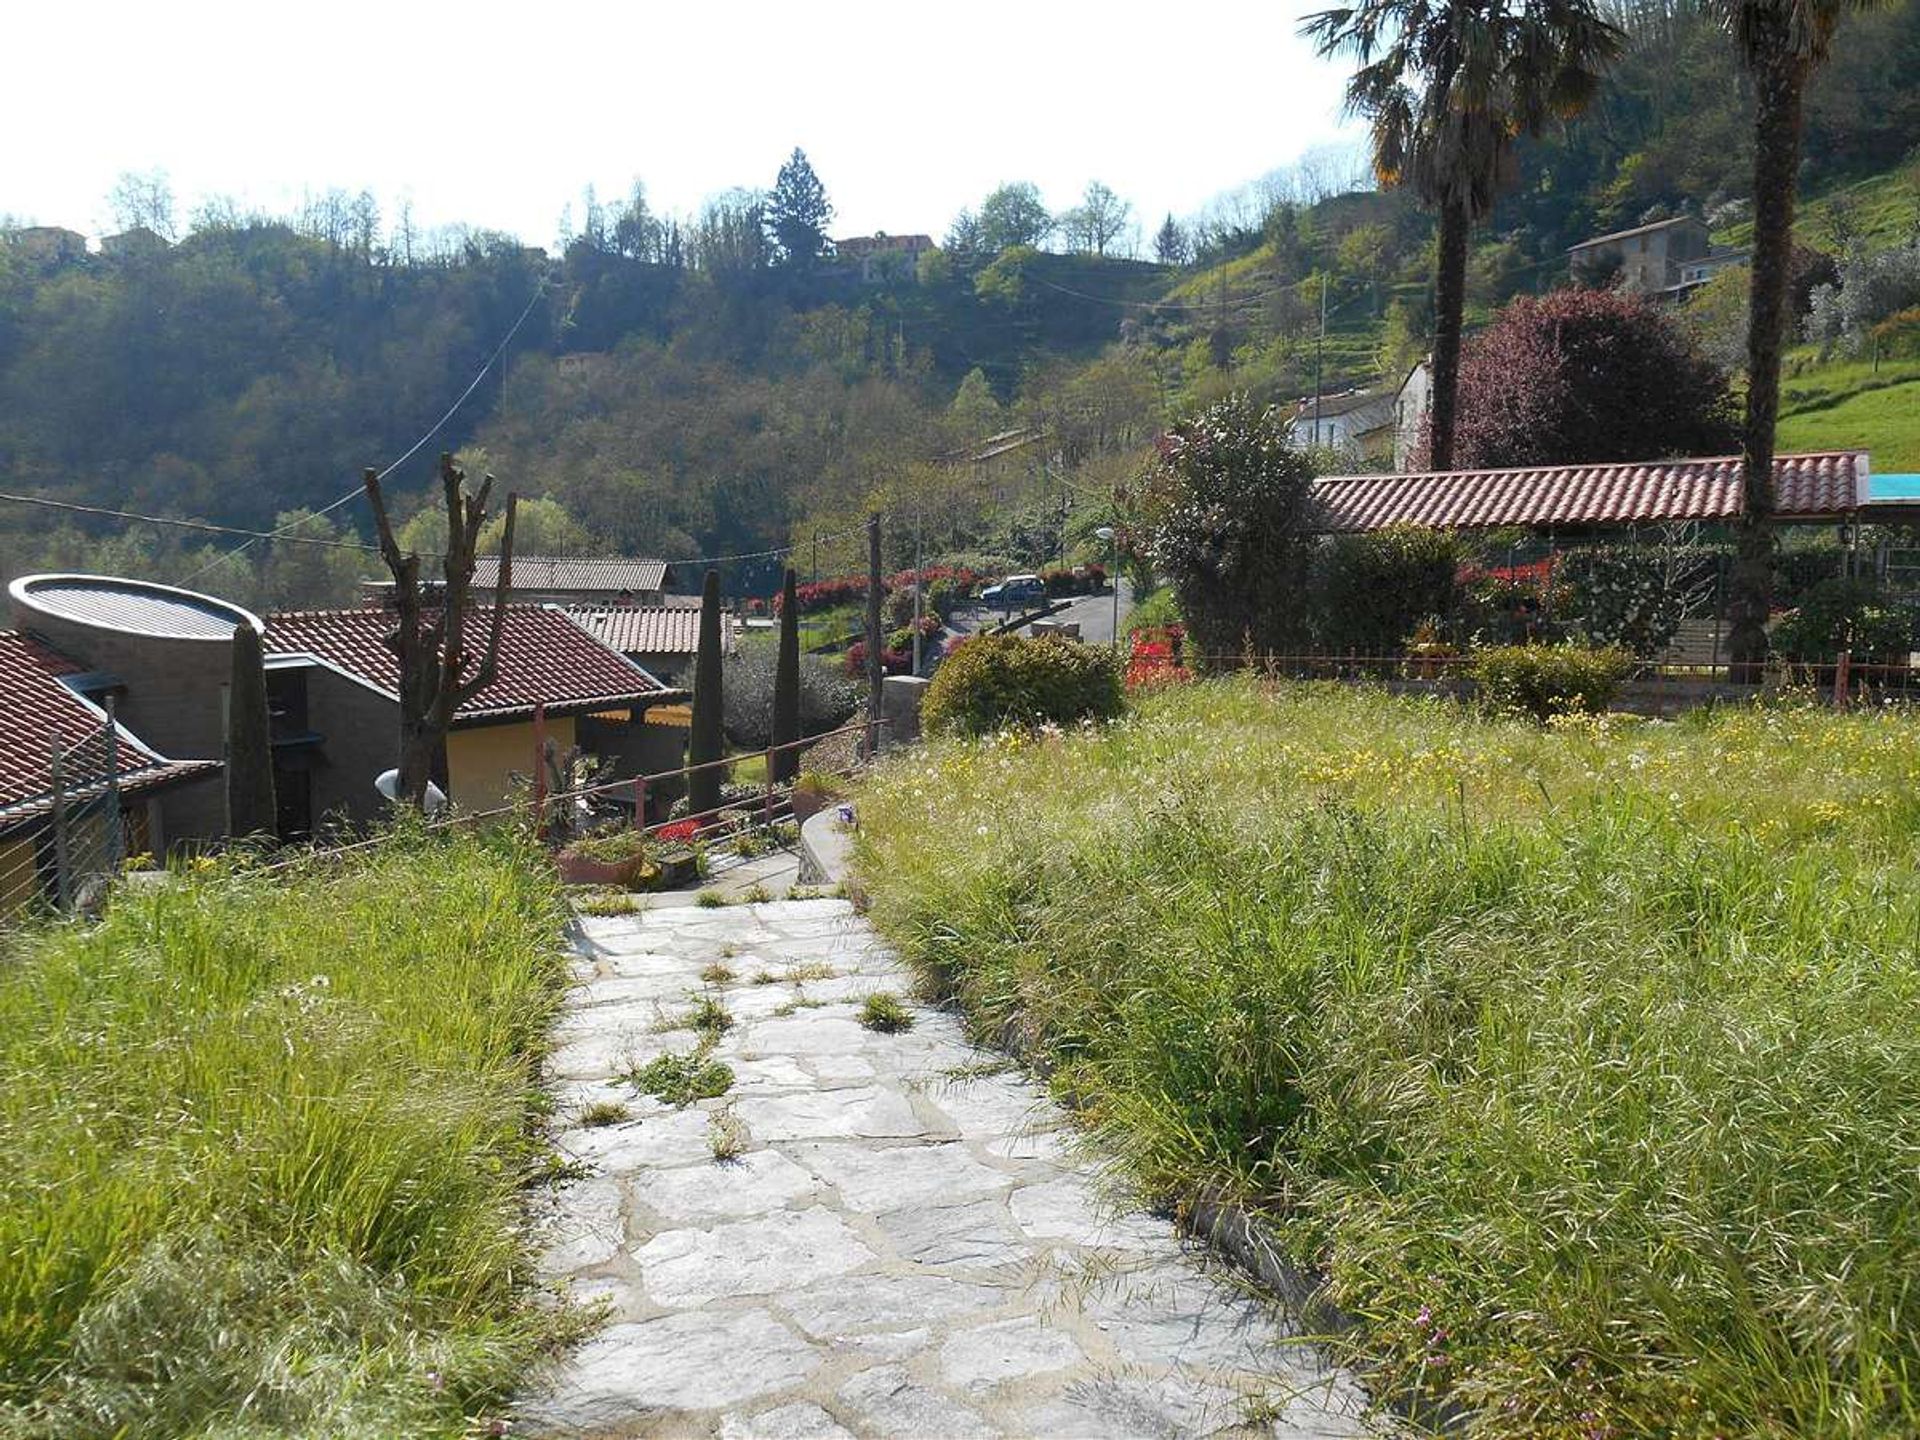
721	384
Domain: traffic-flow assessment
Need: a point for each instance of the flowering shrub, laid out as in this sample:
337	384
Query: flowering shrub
892	661
815	596
1155	660
1619	597
680	832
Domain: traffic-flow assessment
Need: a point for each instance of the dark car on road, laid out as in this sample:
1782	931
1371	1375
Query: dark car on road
1016	592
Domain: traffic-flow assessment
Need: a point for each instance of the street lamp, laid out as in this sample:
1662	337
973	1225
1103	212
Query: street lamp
1112	537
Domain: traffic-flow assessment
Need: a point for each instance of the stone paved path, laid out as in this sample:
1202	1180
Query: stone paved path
903	1245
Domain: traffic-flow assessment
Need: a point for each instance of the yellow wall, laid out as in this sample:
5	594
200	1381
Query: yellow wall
480	759
19	881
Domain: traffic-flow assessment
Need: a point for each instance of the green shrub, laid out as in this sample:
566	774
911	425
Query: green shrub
1229	499
1548	680
1157	611
611	847
1616	596
996	680
1375	588
1841	615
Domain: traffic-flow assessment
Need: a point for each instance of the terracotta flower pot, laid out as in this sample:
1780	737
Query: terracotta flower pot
577	869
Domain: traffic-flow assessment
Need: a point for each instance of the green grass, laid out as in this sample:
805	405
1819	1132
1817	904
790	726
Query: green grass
682	1079
1581	1060
1849	406
262	1143
1884	210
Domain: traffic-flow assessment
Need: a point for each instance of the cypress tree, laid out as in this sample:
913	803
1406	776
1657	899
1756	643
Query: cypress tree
704	745
250	804
786	686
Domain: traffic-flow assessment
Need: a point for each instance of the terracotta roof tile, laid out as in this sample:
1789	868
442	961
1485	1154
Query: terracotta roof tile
544	659
649	629
35	707
556	572
1806	487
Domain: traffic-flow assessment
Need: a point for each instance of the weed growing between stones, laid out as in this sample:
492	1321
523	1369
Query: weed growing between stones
681	1079
710	900
884	1012
717	973
726	1136
603	1112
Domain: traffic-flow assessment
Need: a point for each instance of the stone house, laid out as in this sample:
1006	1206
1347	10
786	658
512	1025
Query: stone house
1664	259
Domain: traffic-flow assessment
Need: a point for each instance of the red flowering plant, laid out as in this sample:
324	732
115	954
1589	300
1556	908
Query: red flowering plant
680	832
1156	659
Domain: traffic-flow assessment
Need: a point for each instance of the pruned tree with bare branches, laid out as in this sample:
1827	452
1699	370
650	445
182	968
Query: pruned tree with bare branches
430	640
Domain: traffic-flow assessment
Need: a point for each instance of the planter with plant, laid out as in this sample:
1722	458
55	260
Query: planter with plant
618	858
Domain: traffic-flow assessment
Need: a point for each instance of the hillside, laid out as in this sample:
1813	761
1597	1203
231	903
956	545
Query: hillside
677	388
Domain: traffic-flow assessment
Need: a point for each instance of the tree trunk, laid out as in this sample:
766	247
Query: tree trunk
786	686
250	802
1777	94
1449	303
706	742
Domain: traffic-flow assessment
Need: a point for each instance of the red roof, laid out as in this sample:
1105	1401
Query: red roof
545	659
35	707
649	629
1806	487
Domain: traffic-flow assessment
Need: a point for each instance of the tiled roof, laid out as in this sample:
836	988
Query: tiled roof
1636	230
554	572
1806	487
35	707
649	629
544	659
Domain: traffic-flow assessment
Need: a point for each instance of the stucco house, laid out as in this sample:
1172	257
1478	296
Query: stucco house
1664	259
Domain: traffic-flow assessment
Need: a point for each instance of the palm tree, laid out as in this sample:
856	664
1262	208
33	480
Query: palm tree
1782	43
1448	86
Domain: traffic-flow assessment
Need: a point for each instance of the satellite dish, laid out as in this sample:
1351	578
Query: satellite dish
388	784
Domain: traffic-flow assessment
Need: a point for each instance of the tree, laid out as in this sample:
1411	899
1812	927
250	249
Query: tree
1013	215
1170	244
545	528
1447	89
706	743
1097	221
1228	503
144	201
786	685
250	802
1582	376
1782	43
797	214
310	565
430	641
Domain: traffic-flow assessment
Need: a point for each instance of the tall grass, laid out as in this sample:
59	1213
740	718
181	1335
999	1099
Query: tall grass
1582	1060
260	1147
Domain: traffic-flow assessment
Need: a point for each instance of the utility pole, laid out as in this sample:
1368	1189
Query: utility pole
919	585
816	557
874	637
1319	353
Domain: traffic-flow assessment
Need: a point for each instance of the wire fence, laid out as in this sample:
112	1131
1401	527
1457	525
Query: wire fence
61	850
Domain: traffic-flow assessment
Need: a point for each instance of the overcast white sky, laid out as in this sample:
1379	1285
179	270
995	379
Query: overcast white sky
498	116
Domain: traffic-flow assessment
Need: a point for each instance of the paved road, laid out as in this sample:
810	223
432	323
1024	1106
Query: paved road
904	1240
1094	612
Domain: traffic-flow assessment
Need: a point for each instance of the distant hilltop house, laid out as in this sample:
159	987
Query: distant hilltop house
163	659
1358	425
47	246
660	639
881	256
1665	259
133	244
604	581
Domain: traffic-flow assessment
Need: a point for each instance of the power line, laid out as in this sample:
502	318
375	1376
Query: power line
203	525
407	455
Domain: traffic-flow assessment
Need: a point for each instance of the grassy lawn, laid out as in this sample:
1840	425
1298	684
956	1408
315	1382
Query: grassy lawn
1848	406
262	1145
1583	1061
